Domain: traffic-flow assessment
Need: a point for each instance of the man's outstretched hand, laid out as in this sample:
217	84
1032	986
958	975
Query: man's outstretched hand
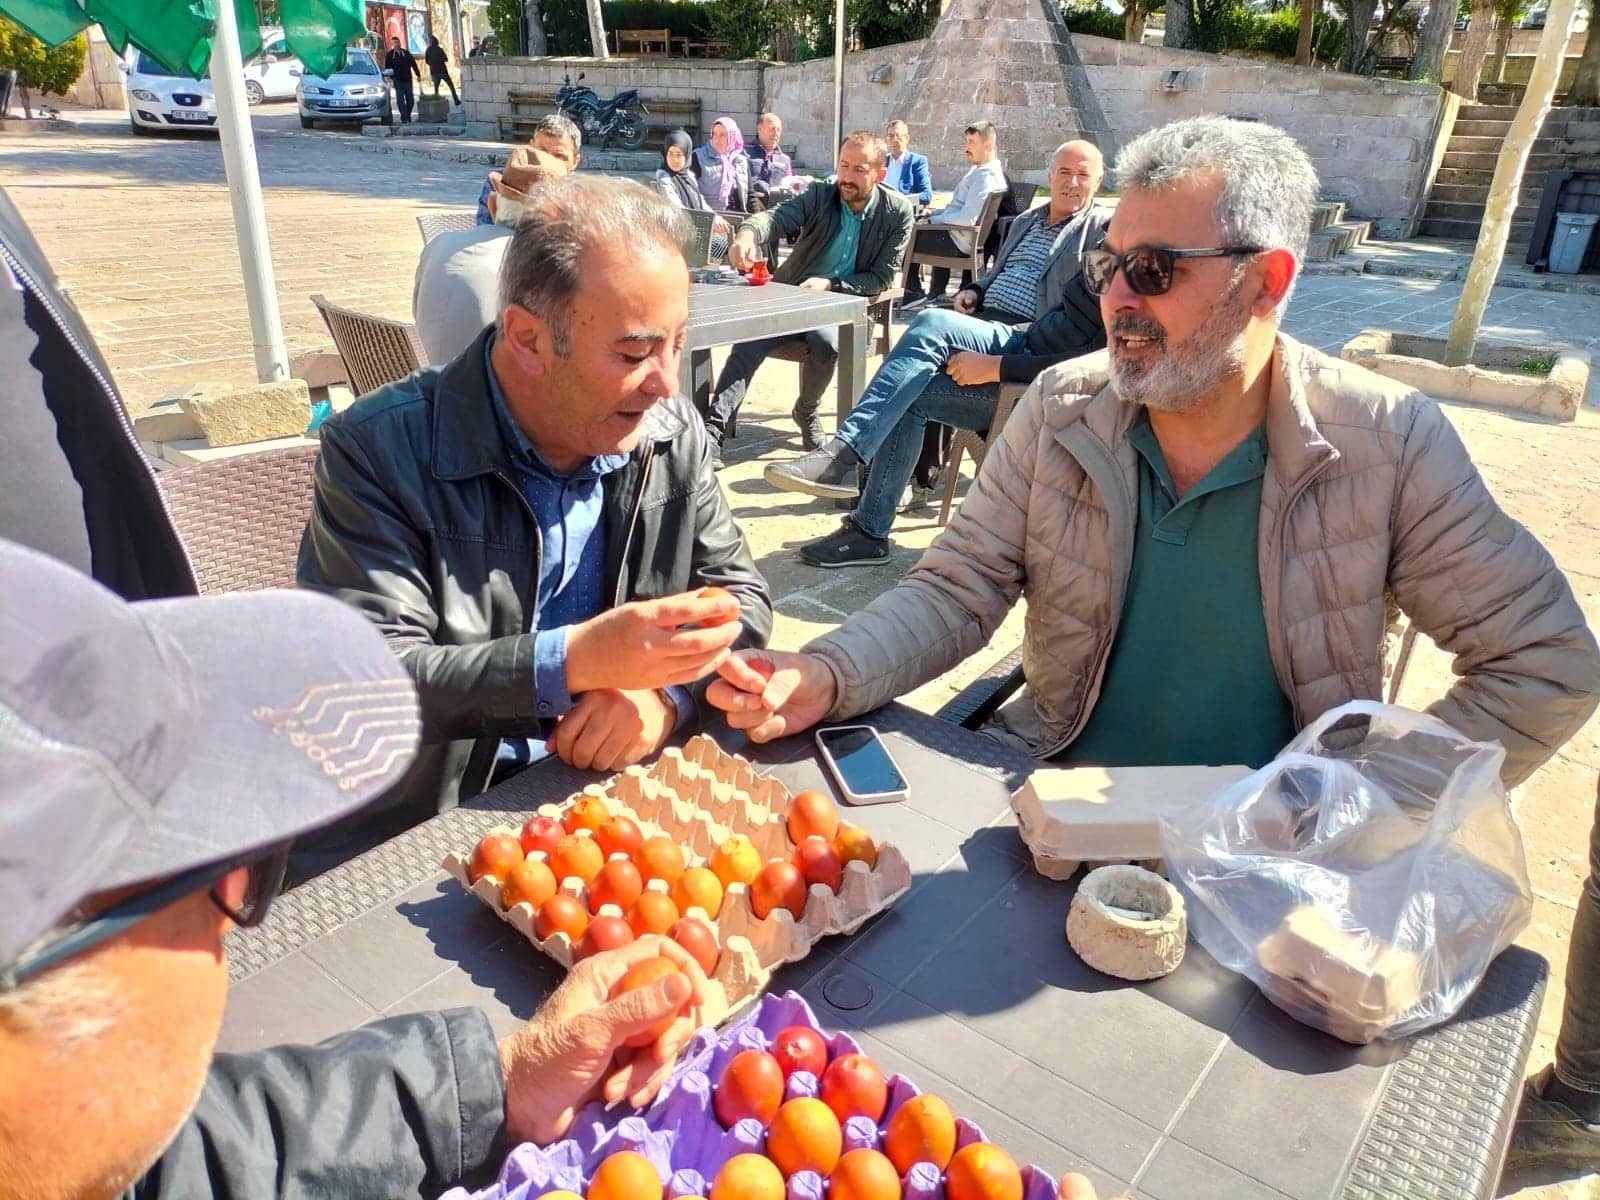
652	643
771	693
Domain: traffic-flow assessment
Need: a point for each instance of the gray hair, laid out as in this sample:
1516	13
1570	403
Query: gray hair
562	126
564	219
1268	182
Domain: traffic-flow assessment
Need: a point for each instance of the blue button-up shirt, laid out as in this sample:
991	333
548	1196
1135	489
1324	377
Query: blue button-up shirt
568	508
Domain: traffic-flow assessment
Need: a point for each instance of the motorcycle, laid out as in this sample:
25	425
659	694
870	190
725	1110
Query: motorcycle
621	117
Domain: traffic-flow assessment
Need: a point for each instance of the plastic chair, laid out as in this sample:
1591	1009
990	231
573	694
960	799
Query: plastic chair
241	518
976	444
1022	197
433	224
376	351
697	249
971	261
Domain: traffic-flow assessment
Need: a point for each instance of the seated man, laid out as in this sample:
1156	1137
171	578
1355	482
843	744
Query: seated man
907	170
555	135
770	165
852	237
528	523
456	291
1029	312
983	178
1208	518
136	725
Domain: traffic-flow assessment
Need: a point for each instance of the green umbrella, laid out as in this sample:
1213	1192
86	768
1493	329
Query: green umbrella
178	33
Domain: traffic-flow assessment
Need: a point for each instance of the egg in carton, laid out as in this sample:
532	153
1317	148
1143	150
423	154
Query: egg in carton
699	797
682	1138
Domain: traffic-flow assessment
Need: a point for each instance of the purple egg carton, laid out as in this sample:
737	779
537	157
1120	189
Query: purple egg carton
680	1134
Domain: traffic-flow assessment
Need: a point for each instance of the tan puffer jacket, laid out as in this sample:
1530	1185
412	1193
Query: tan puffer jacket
1368	488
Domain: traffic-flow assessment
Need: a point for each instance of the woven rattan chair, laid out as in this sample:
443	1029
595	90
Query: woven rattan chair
241	518
433	224
375	351
976	444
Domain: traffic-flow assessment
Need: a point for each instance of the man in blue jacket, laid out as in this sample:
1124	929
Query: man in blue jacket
156	759
908	170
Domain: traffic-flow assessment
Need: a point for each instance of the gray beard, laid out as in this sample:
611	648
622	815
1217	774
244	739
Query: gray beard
1183	376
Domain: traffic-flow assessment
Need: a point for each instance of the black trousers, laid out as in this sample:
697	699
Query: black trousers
404	97
449	83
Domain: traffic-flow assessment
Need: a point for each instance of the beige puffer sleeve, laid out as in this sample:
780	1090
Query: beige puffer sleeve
1484	589
950	604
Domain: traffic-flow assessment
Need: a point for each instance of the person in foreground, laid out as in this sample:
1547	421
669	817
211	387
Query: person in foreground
851	235
1558	1124
1029	312
1207	518
530	523
164	732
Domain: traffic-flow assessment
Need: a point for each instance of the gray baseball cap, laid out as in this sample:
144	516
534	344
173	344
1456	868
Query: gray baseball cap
138	741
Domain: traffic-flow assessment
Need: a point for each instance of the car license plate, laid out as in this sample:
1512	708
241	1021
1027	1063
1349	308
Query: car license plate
344	104
190	114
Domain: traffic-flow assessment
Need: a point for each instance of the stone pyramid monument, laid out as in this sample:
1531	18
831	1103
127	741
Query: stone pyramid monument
1008	61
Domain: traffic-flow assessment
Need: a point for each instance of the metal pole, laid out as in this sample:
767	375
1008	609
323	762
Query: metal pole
838	75
244	187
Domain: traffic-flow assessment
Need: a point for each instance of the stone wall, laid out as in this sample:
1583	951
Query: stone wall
1371	139
723	88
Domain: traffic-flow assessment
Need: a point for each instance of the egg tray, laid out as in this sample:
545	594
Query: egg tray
680	1134
700	796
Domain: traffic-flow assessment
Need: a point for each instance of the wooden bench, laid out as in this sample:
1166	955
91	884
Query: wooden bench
640	40
528	105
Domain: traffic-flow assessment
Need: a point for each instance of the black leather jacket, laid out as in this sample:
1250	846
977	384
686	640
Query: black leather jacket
417	522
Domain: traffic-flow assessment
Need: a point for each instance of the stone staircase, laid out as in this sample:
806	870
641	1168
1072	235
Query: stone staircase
1461	189
1331	233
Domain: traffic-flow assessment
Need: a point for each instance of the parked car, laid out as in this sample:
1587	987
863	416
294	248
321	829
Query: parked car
357	92
160	99
274	73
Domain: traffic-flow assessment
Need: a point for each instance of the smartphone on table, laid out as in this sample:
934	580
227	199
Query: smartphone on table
861	764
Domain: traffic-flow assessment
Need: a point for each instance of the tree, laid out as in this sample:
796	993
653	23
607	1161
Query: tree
1427	62
505	18
1304	46
1506	15
1585	89
49	70
597	30
1507	184
1474	49
1180	26
1133	21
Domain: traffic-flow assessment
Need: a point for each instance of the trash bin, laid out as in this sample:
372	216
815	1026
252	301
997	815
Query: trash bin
1570	241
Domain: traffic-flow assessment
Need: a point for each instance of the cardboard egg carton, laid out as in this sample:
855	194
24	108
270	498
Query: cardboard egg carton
1069	816
699	797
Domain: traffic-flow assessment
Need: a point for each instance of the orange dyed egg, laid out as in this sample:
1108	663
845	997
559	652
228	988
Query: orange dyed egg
698	886
531	882
652	912
618	883
736	861
812	814
982	1171
748	1177
923	1129
864	1175
626	1175
805	1136
587	812
576	855
660	858
561	914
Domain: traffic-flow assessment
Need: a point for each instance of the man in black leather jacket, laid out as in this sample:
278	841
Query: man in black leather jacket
528	524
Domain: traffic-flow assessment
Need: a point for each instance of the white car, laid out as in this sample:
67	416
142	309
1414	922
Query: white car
274	73
357	92
158	99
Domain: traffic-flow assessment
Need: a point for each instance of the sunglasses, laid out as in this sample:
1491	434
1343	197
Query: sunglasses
1148	269
249	909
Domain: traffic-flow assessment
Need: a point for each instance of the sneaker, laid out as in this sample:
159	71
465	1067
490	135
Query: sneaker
1549	1134
850	547
829	472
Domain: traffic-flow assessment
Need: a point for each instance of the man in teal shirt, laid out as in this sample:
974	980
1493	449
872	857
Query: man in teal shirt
851	236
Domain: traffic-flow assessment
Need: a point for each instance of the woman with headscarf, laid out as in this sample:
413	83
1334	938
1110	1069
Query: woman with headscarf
678	185
722	168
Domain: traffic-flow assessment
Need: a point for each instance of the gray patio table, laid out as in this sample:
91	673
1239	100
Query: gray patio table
721	314
1192	1087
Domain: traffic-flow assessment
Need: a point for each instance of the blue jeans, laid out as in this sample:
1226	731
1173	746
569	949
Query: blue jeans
917	359
943	399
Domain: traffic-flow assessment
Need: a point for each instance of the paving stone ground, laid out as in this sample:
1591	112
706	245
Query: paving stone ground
140	231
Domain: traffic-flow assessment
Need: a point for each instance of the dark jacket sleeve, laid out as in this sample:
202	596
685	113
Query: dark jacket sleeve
363	547
402	1107
1072	328
897	217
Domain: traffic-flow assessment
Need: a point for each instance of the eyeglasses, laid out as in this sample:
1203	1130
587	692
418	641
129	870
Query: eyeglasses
1148	269
262	885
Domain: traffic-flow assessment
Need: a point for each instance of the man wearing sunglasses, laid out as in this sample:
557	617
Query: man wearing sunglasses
1030	311
156	759
1209	519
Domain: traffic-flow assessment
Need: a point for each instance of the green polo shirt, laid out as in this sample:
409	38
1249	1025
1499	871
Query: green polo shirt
839	259
1190	678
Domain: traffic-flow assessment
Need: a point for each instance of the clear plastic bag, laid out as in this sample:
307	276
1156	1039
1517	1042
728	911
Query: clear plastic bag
1365	878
